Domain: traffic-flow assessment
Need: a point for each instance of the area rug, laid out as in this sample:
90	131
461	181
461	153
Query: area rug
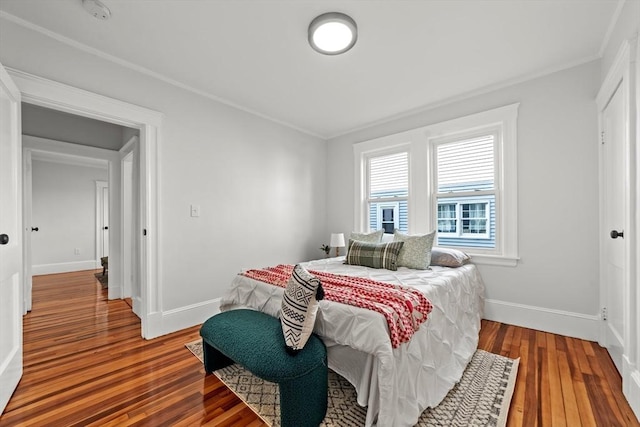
481	398
104	280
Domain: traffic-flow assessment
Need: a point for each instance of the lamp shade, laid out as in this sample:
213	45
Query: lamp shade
337	240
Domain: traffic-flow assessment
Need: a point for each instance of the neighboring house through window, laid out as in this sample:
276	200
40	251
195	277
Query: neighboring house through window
457	177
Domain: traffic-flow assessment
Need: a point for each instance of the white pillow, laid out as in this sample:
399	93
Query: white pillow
299	308
373	237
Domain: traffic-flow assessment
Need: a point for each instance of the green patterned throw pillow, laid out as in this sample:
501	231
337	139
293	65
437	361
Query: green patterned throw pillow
374	255
416	252
299	308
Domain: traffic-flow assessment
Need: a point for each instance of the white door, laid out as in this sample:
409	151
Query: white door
10	239
105	221
613	127
102	219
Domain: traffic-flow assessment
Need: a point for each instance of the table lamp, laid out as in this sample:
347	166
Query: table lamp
337	241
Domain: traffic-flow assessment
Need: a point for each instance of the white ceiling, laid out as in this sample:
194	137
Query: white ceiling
254	54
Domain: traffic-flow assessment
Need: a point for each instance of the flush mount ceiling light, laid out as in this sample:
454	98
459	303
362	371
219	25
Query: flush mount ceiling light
333	33
97	9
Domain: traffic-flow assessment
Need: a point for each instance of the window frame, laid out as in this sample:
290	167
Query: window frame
361	220
422	211
462	135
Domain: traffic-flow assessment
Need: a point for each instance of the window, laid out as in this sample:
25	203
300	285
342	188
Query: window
388	191
458	177
474	219
387	217
463	220
465	190
448	219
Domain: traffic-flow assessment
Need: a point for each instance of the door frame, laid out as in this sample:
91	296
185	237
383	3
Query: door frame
129	207
27	223
61	97
622	76
49	151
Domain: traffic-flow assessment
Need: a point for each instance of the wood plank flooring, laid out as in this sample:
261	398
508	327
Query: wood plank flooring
86	365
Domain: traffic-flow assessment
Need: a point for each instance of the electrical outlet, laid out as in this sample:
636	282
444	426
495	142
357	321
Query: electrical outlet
76	251
195	210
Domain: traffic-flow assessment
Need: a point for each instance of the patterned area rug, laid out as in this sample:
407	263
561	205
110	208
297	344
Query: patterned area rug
481	398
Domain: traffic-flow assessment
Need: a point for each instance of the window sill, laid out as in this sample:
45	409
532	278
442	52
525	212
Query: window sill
499	260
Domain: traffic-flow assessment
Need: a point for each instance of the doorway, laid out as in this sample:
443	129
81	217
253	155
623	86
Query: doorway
53	95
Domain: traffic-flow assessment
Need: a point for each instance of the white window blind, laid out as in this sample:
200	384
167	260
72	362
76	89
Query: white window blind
466	165
389	176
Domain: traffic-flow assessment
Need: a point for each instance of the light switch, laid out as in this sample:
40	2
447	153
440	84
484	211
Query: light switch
195	210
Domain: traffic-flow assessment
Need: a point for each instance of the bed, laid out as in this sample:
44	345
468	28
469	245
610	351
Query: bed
395	384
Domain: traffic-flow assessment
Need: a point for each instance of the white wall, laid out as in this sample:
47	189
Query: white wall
64	210
260	186
555	284
46	123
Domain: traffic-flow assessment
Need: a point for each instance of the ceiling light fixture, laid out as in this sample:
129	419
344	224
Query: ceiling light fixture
97	9
333	33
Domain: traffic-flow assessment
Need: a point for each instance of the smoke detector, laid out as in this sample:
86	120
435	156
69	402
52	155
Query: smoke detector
97	9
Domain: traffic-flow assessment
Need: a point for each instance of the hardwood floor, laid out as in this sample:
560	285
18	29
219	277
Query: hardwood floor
561	381
86	365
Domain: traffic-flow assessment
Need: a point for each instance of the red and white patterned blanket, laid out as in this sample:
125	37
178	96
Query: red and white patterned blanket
404	308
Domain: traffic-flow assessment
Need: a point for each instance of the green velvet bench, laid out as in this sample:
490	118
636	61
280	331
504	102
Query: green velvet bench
255	341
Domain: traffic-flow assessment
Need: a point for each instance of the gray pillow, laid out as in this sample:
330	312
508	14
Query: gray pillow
374	255
373	237
416	252
447	257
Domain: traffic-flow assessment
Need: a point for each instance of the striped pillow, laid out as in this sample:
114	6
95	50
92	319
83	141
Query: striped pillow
374	255
299	308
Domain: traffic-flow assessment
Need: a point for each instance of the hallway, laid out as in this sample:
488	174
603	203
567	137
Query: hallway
85	363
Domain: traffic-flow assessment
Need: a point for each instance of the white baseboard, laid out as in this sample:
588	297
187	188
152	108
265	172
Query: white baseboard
162	323
559	322
631	385
63	267
543	319
114	291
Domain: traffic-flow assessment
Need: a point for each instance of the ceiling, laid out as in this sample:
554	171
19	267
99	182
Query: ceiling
254	54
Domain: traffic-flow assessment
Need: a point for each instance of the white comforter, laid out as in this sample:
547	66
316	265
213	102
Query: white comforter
397	384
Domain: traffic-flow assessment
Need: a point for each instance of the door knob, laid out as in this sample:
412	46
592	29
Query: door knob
34	228
4	239
615	234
